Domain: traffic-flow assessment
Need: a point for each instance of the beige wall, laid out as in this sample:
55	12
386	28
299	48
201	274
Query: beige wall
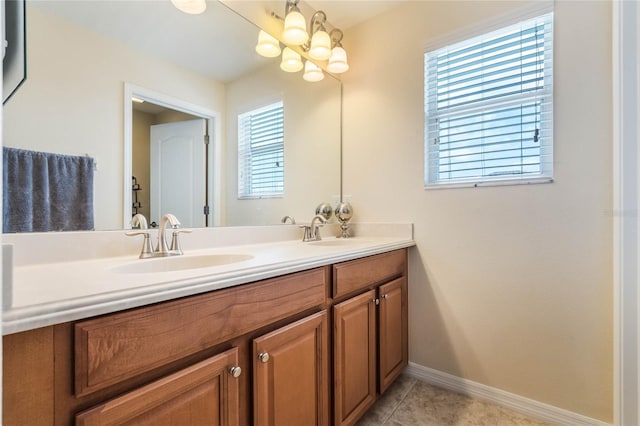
510	286
72	101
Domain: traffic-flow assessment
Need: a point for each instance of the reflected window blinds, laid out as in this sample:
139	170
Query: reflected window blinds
261	152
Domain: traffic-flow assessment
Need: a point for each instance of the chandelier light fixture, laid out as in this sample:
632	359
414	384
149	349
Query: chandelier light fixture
268	46
291	60
338	59
312	72
295	26
320	47
314	41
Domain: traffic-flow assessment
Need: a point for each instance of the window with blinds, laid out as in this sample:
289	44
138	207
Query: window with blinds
261	152
489	107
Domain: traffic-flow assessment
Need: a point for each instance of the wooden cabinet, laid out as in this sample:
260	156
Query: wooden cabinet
315	347
354	357
370	332
393	333
204	394
27	378
291	374
116	347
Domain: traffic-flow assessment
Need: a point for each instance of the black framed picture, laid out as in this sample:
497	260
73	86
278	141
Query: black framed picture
14	47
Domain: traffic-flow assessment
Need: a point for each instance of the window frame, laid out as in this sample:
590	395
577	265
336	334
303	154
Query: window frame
432	157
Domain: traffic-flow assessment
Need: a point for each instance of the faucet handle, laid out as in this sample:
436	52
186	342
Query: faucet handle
147	250
175	241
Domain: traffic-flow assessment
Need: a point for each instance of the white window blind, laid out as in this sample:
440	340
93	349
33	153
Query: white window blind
261	152
489	107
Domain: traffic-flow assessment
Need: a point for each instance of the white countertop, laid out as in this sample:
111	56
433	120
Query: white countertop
45	293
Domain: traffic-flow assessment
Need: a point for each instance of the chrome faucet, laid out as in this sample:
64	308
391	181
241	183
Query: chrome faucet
312	232
162	248
141	222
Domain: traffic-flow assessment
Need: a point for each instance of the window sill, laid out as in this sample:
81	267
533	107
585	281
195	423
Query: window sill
259	197
494	182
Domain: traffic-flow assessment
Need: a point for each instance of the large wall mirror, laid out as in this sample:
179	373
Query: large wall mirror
85	59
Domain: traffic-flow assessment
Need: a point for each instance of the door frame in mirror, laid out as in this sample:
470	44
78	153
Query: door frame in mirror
215	153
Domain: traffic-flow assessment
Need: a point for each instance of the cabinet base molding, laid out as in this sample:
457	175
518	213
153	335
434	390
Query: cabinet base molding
521	404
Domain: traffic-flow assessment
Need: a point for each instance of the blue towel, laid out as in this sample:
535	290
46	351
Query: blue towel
46	192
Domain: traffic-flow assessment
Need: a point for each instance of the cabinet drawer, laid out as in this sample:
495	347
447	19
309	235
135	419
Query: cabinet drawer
116	347
354	275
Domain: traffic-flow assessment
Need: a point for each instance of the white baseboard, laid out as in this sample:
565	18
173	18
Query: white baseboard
529	407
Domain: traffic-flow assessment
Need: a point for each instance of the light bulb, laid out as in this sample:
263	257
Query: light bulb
338	61
320	48
295	28
192	7
291	61
268	46
312	72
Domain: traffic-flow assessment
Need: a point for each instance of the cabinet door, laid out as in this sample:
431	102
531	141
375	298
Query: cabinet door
291	374
393	325
204	394
354	357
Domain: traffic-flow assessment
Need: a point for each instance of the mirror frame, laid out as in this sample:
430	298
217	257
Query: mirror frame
215	140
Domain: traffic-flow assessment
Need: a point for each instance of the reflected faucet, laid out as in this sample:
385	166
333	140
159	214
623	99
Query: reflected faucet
139	221
162	248
287	217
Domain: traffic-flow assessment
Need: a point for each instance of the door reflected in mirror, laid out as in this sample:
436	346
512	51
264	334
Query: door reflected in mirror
169	164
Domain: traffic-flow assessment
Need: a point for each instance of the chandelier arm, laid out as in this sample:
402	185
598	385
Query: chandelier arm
290	5
336	36
317	22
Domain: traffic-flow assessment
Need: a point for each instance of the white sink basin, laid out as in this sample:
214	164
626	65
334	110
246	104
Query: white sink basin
179	263
339	242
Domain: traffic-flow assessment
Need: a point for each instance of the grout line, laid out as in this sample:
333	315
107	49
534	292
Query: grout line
385	421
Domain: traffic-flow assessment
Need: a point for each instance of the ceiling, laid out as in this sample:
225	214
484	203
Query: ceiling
217	43
345	14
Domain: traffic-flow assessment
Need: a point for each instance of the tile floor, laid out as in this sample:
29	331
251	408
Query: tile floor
411	402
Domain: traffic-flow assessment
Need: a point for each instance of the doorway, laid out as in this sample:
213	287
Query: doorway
156	186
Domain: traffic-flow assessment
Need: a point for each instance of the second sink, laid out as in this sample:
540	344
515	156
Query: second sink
180	263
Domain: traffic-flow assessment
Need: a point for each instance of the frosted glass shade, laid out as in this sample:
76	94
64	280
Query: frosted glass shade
267	46
312	72
338	61
295	28
192	7
291	61
320	48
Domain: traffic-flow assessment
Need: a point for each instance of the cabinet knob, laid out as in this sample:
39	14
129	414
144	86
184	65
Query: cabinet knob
235	371
376	301
264	357
384	296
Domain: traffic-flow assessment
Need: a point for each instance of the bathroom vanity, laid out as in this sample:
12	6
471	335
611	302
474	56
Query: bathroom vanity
315	345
